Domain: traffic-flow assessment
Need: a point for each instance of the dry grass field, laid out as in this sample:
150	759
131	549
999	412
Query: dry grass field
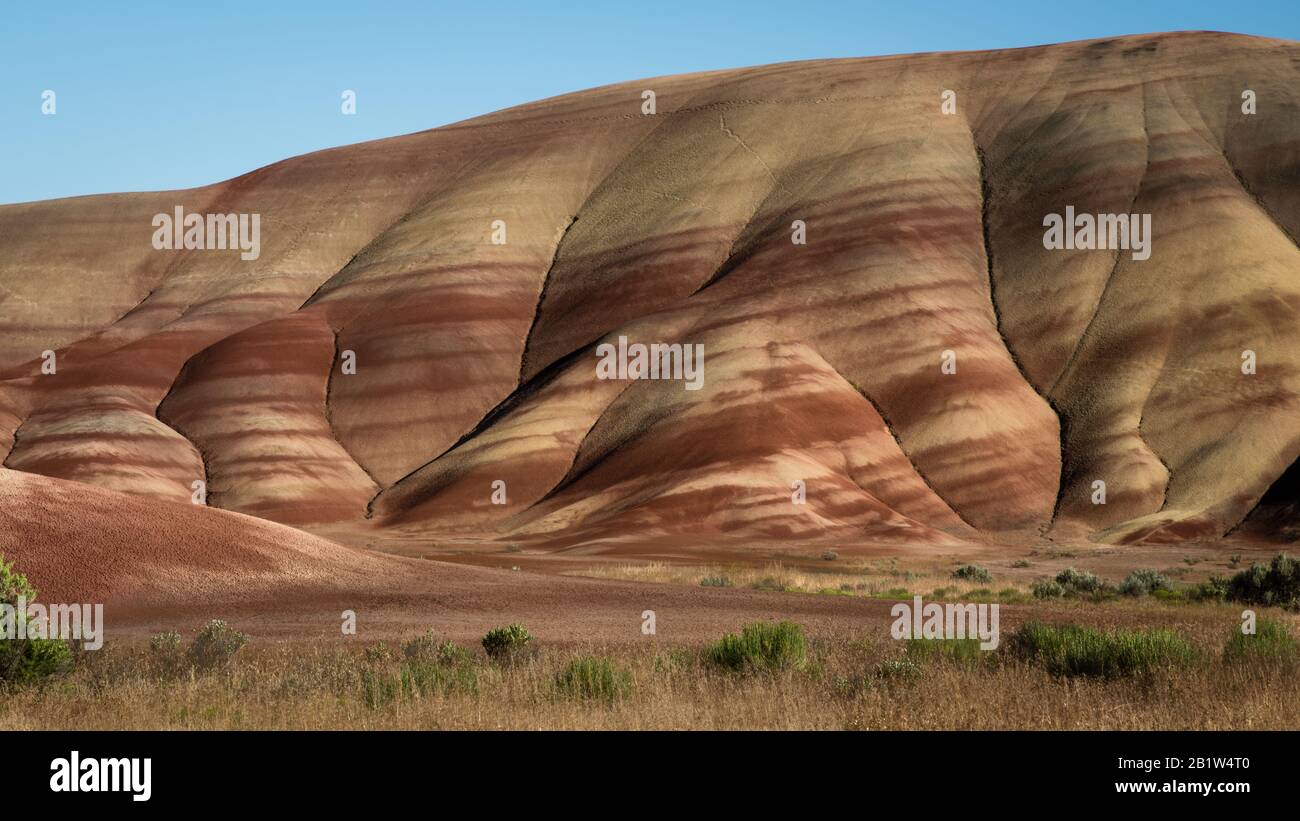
846	681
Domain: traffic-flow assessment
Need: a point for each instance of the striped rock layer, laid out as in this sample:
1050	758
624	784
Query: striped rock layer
826	407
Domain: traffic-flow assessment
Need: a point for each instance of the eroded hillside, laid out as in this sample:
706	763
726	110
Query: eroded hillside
922	364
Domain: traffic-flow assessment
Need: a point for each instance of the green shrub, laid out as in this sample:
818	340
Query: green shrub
1270	644
505	643
26	660
715	581
1071	650
972	573
427	647
1076	582
47	657
13	585
215	646
1276	584
1047	589
1214	588
596	679
1144	583
1073	583
1020	563
761	647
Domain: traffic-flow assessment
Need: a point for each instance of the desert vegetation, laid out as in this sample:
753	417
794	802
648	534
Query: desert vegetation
24	659
1118	673
1140	652
1272	583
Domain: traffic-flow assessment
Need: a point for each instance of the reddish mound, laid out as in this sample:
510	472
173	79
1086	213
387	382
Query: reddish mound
469	272
81	543
163	565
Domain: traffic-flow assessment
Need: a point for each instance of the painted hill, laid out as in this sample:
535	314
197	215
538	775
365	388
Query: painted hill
475	360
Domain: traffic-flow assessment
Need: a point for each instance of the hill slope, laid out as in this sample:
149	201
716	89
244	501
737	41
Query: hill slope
476	361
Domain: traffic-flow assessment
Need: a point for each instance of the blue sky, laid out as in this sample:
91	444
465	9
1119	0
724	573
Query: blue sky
172	95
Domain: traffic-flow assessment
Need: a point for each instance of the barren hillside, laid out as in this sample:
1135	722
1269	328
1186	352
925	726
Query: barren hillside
824	364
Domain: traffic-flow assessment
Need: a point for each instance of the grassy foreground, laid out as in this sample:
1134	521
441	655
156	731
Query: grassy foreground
1042	677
